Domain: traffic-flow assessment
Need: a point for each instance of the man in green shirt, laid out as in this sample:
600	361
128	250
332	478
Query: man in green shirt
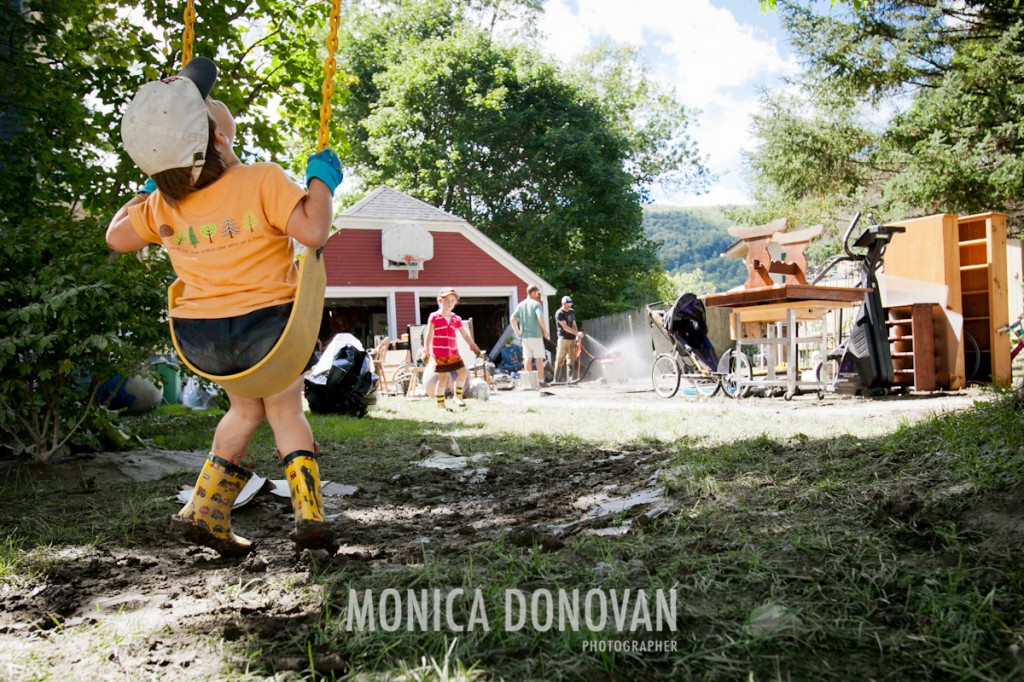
528	325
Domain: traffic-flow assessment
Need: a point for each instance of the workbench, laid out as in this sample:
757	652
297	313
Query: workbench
790	304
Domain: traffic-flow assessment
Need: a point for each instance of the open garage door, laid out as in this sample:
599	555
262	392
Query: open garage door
490	316
363	318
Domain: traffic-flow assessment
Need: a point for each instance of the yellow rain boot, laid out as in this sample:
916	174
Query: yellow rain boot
206	518
303	475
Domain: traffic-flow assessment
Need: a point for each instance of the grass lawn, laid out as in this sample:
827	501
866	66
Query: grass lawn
655	540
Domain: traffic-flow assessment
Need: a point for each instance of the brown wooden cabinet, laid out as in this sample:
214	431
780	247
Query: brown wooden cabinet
984	292
968	255
912	339
929	251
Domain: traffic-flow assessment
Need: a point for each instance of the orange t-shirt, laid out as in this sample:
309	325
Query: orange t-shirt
227	242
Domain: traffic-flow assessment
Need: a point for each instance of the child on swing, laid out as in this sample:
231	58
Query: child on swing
441	344
228	229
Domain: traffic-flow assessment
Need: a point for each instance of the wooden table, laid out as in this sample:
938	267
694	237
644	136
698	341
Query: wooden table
785	293
791	304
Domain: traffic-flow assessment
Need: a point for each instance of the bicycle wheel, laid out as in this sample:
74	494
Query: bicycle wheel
736	371
665	375
972	356
827	372
403	377
696	384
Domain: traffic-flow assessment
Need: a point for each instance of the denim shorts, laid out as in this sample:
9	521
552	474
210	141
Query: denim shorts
230	345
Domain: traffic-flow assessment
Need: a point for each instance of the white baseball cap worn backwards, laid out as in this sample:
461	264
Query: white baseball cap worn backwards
166	125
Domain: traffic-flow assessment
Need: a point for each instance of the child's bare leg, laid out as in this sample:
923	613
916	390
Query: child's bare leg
460	382
235	429
287	420
294	439
440	388
431	381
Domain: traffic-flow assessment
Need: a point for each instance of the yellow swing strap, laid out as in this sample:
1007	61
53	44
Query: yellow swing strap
287	359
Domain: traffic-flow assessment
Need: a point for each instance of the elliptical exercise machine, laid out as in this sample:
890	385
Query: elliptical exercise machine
862	363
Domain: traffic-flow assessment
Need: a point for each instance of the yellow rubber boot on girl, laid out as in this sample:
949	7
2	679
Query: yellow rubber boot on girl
303	475
206	517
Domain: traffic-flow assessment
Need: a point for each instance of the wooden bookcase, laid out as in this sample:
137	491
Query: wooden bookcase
912	339
984	292
929	251
967	254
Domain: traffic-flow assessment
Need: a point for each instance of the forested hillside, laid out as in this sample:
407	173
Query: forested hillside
694	238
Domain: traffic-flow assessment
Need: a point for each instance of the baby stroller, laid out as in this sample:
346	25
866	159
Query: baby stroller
685	357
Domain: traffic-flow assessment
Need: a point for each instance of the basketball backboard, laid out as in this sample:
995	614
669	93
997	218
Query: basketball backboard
406	247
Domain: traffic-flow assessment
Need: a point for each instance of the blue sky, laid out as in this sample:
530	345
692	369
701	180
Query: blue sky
715	55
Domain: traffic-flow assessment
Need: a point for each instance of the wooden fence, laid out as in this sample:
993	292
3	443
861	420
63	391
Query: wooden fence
629	333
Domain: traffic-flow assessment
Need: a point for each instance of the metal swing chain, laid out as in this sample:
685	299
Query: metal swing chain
327	90
330	65
189	35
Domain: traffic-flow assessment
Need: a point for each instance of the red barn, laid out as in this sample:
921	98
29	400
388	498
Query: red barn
393	253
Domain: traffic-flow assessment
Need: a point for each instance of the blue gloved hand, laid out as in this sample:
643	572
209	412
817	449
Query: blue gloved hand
149	187
326	167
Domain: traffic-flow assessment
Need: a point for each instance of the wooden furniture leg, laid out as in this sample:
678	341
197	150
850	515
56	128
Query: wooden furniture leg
758	260
793	244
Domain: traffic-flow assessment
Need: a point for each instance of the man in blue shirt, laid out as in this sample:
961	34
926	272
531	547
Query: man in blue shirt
528	324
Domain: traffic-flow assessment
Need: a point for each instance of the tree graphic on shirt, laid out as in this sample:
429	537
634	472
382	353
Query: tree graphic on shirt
180	239
249	220
192	239
229	229
208	230
165	231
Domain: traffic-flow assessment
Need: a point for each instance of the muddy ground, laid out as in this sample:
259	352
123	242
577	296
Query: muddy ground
164	610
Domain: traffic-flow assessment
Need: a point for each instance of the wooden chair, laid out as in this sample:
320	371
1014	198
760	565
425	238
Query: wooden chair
379	358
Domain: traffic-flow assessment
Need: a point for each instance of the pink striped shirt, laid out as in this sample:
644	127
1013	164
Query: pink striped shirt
444	345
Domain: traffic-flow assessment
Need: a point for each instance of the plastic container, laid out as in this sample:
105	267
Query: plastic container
170	376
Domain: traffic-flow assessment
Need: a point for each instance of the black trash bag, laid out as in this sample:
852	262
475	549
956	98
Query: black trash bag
343	387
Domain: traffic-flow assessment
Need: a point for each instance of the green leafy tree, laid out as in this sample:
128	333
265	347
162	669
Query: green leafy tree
815	164
647	115
693	240
72	314
682	282
546	163
208	230
960	146
952	73
67	310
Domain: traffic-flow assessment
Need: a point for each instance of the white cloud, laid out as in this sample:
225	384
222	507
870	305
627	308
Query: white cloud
714	63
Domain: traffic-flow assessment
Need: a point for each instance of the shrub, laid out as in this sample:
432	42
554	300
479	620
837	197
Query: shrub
71	315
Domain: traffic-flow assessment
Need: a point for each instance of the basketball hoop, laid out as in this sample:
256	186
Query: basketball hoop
406	246
414	265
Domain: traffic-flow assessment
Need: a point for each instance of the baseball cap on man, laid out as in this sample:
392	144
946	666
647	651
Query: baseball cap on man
166	125
566	299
